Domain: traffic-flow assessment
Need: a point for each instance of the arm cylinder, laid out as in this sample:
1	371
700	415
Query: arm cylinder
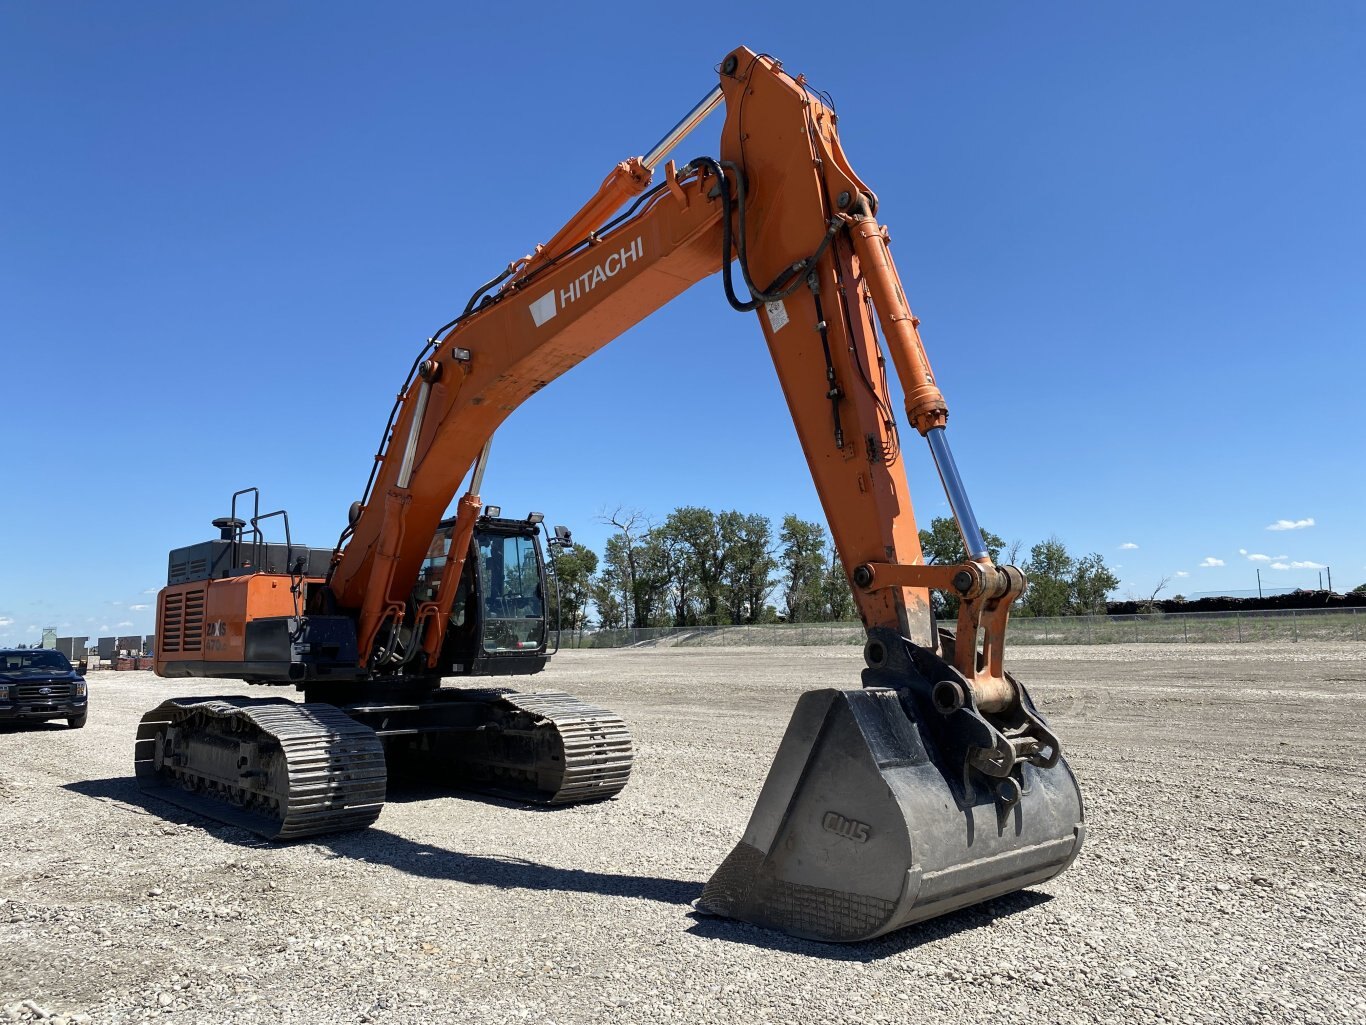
681	130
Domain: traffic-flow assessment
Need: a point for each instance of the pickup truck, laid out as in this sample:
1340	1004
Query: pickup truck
37	684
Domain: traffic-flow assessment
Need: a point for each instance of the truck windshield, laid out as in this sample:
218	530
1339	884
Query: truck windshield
514	608
18	661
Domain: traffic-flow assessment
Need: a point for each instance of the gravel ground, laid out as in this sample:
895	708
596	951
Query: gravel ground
1222	878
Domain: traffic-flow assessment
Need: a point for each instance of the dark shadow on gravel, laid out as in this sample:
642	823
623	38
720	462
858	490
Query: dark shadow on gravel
39	726
909	938
125	789
407	790
378	846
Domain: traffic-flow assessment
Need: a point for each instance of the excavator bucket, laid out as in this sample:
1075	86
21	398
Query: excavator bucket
877	813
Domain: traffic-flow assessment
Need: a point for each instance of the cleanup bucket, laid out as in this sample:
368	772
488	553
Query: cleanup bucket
872	819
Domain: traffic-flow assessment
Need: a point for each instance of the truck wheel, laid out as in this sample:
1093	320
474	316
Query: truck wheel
75	722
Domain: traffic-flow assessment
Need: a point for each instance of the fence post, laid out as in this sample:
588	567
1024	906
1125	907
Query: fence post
1185	631
1090	629
1295	624
1135	629
1239	620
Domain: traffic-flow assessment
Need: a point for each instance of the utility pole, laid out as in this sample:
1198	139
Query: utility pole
1259	582
1320	580
1330	579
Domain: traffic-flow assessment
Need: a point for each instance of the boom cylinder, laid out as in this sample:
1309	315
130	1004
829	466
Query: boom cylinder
405	469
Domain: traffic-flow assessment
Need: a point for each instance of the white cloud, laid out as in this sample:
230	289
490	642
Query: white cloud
105	626
1127	546
1210	561
1298	565
126	622
1280	565
1258	556
1291	524
138	608
1182	573
151	590
6	620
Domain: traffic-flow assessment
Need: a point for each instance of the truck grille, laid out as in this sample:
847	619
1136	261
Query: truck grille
31	692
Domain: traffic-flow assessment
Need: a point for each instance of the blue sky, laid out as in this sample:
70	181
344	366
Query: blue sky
1133	233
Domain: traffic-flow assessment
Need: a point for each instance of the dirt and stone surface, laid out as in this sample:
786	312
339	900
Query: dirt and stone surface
1222	878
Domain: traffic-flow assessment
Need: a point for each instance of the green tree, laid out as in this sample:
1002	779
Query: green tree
636	566
682	588
1359	589
838	598
574	569
943	546
748	564
1092	581
1060	585
1050	571
691	538
801	564
607	600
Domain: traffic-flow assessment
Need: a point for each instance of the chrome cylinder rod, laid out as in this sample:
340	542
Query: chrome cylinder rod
480	465
681	130
957	495
405	468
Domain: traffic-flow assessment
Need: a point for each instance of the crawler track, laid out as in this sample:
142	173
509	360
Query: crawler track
280	769
547	748
594	746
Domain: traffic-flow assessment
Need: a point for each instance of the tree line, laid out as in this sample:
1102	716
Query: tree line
699	567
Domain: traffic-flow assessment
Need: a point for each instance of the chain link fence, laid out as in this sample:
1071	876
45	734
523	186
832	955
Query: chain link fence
1277	625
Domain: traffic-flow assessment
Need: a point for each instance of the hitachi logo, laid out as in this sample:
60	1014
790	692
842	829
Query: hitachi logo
546	307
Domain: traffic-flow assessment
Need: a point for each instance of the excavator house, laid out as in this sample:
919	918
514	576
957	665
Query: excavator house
935	785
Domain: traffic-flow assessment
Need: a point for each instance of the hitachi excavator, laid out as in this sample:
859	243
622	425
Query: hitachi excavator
935	785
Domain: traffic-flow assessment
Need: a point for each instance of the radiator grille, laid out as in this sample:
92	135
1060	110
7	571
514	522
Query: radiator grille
182	622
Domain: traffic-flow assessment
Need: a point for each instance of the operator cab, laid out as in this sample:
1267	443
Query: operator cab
498	620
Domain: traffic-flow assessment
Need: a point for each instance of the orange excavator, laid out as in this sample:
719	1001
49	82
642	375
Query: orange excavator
935	785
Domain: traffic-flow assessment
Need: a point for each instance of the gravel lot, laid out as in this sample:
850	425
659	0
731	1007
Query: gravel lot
1222	878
